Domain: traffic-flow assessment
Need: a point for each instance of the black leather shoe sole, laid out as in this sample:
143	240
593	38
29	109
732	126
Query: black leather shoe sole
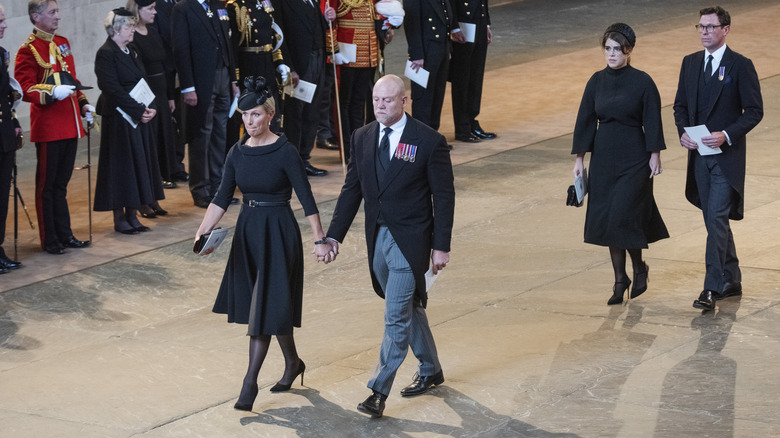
313	171
467	138
56	250
484	135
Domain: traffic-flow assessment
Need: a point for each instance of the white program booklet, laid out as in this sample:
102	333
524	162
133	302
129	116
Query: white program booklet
420	77
304	91
430	277
349	51
696	133
581	185
469	31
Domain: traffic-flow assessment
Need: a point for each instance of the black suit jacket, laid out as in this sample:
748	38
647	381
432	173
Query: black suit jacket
304	32
424	22
8	122
416	199
195	47
735	107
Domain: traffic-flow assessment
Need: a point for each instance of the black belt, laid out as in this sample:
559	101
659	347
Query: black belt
253	203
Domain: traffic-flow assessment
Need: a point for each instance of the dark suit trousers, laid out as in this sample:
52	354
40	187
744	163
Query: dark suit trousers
301	119
717	197
354	91
55	167
207	148
427	102
6	167
406	324
467	69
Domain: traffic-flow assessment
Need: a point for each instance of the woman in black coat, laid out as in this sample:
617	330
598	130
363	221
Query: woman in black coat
619	123
128	175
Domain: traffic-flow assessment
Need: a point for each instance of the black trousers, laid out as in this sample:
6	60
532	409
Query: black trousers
427	102
207	148
354	92
301	119
6	167
55	167
467	70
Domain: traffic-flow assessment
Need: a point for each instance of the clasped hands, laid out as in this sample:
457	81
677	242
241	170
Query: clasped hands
326	252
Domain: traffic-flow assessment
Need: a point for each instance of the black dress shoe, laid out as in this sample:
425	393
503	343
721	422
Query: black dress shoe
3	270
169	184
705	301
148	214
374	405
181	176
202	202
55	249
327	145
72	242
422	384
126	231
142	228
8	264
729	290
248	400
235	201
483	135
159	211
467	138
313	171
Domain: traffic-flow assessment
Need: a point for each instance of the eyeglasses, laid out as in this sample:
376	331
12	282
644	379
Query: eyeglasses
708	27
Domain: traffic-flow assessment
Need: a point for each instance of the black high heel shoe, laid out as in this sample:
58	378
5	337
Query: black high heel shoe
617	292
640	282
281	387
247	406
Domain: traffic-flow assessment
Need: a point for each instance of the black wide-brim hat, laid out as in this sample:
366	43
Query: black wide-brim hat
65	78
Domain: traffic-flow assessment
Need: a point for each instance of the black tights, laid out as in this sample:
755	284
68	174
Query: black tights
258	348
618	256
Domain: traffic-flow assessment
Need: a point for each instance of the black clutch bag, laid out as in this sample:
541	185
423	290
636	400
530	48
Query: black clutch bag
571	197
199	244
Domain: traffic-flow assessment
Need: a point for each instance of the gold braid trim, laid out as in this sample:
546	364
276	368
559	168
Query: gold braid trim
243	24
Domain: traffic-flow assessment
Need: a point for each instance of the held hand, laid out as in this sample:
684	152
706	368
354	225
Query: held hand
324	253
687	142
714	140
190	98
339	59
148	115
87	109
439	260
417	64
458	37
63	91
655	164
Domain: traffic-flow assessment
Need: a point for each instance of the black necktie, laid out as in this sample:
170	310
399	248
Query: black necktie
384	153
708	70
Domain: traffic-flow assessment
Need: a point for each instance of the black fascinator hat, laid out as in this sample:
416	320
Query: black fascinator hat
255	93
623	29
122	12
144	3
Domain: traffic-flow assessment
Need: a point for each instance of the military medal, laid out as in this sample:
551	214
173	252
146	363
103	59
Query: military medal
209	13
406	152
721	73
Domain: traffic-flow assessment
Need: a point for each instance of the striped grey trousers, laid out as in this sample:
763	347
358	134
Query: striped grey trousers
406	324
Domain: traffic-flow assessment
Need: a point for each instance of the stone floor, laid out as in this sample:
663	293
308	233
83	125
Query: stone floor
118	340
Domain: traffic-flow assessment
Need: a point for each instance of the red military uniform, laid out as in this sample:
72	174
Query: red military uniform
50	119
55	127
355	25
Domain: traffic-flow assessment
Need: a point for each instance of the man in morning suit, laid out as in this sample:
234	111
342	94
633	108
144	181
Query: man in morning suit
718	88
207	75
427	25
467	69
401	170
9	136
55	121
305	50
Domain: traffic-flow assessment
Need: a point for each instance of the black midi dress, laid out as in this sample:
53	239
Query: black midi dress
263	281
619	123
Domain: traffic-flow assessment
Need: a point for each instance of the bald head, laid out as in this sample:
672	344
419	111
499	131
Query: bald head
389	99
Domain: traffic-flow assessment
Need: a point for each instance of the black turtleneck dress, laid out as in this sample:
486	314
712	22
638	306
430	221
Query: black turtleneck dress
619	123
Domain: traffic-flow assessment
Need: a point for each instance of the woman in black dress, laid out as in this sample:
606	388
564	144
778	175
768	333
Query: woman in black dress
619	123
127	175
263	281
149	45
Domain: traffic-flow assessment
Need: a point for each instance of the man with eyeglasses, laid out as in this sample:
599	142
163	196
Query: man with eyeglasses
718	88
